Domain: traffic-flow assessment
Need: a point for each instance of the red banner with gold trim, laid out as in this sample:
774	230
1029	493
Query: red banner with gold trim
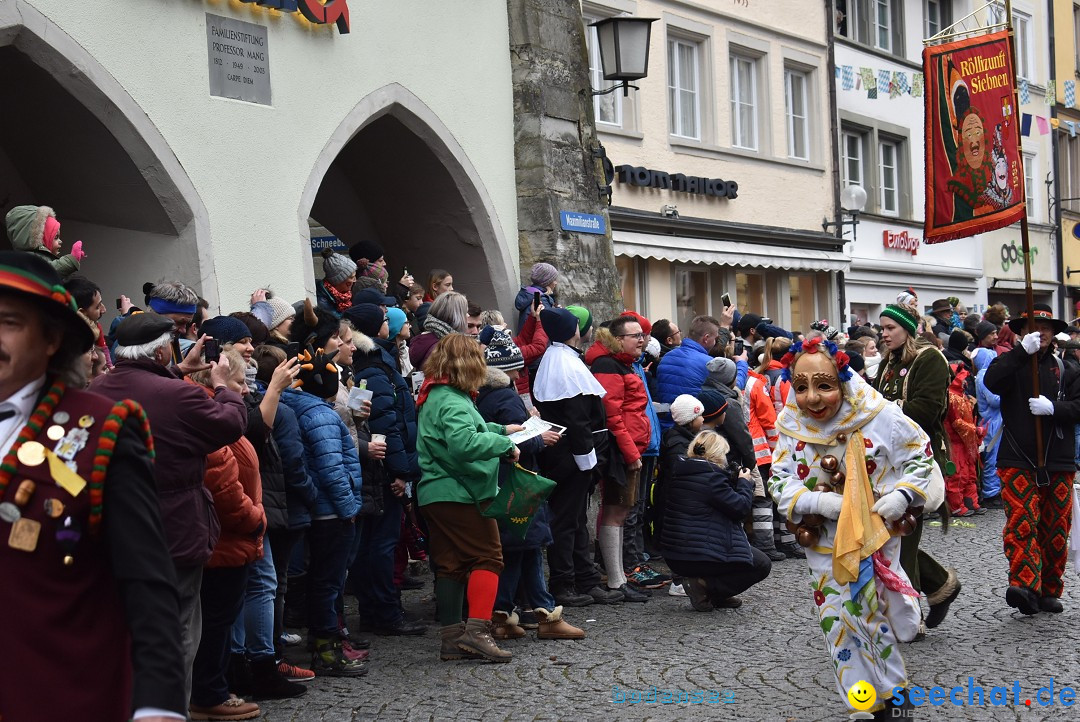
974	171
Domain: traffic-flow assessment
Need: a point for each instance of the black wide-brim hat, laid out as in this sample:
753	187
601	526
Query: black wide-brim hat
1043	312
34	279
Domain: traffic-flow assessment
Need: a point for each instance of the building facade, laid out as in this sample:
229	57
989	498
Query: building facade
202	140
881	110
723	162
1066	204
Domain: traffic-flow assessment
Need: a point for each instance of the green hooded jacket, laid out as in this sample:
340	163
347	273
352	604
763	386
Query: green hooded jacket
26	228
459	451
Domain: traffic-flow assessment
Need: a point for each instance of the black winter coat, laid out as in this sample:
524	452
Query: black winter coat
704	510
1009	376
734	428
270	467
498	402
586	435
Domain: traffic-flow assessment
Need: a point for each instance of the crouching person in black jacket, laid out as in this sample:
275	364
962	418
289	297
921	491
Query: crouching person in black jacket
703	536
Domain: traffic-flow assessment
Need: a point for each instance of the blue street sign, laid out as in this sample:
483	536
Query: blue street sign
582	222
318	243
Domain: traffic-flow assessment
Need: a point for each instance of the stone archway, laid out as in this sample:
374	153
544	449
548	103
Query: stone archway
394	173
72	138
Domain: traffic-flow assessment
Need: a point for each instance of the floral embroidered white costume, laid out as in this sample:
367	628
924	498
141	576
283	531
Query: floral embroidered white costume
863	618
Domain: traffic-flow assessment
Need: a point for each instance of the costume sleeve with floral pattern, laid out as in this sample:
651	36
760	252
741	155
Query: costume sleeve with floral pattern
909	453
789	473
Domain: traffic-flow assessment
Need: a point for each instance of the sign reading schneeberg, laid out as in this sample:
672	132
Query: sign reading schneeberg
239	59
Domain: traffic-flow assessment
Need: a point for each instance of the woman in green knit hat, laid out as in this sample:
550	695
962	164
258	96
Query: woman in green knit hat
915	374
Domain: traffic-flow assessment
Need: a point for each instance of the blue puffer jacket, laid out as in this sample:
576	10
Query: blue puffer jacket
329	455
704	508
653	449
524	300
498	402
681	371
393	412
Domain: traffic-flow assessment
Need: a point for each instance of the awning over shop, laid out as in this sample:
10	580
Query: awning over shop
1008	285
876	280
681	249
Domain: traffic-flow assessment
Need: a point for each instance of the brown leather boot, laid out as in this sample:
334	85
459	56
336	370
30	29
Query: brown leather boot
450	650
477	640
505	626
553	626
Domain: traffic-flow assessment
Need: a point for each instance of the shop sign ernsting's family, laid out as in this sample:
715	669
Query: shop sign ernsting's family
902	241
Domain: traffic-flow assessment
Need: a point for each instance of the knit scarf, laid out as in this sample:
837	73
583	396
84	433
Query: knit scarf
438	327
341	300
425	389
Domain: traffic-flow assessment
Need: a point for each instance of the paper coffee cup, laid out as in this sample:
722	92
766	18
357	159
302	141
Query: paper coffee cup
357	397
379	438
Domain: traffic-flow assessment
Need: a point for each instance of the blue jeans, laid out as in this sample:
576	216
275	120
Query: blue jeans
372	573
526	566
330	543
253	632
222	596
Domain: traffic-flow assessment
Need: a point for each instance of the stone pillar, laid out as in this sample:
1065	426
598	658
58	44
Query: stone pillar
556	169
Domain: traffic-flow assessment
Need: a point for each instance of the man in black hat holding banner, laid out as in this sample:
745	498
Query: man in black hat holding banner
88	601
1037	493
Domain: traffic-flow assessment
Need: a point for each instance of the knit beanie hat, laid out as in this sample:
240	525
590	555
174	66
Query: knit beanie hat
584	317
903	316
646	324
543	274
396	319
984	329
280	312
685	408
367	318
958	340
313	326
722	369
856	361
559	324
713	402
502	353
226	329
368	249
336	267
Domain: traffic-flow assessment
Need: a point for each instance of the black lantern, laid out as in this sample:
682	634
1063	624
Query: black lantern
624	50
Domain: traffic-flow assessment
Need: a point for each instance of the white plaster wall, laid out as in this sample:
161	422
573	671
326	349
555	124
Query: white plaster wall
773	191
250	163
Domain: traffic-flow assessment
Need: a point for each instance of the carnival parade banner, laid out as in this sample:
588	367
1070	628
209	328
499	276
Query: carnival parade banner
974	172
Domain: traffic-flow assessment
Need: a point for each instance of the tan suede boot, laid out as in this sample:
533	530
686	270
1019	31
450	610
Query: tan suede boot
553	626
505	626
450	650
477	640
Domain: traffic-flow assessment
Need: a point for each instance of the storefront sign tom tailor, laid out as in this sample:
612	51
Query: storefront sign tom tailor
239	59
678	182
902	241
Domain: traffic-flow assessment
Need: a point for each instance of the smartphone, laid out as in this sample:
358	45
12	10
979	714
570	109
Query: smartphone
211	350
738	346
725	300
119	304
292	350
536	300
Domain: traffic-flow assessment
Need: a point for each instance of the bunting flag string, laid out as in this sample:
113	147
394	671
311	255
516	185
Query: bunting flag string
1070	93
1025	92
894	84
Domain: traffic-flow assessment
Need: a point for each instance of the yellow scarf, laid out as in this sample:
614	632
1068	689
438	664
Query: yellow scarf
859	532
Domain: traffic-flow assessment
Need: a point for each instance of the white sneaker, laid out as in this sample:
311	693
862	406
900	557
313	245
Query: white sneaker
676	590
291	640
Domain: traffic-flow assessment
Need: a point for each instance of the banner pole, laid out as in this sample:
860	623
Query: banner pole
1029	292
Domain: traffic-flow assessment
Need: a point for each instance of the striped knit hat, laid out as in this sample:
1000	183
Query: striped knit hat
903	316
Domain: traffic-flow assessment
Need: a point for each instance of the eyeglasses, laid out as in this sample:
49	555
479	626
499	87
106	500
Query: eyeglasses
638	336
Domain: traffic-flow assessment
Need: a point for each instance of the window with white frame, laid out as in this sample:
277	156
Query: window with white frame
1069	165
796	92
608	109
1076	35
889	178
1025	63
882	25
934	19
853	156
684	82
1030	194
744	72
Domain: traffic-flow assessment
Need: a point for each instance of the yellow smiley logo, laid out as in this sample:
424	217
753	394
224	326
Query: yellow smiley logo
862	695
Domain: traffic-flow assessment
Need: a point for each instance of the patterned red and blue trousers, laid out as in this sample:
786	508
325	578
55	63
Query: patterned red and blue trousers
1036	529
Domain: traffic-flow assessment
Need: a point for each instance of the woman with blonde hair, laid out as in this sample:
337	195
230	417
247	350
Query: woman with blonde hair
705	502
459	458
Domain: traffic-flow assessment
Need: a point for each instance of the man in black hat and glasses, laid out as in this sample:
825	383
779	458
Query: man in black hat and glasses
1037	492
88	601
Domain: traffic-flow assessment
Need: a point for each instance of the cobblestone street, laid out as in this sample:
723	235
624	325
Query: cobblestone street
769	654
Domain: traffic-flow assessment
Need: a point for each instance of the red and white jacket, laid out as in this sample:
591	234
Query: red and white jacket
760	417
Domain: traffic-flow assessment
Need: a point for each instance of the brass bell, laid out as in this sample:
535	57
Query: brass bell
806	537
838	478
841	438
830	463
812	520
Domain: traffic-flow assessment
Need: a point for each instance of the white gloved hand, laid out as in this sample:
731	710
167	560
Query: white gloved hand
825	503
1031	342
1041	406
891	506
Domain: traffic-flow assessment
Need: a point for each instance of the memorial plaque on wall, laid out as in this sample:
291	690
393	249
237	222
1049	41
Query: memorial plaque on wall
239	59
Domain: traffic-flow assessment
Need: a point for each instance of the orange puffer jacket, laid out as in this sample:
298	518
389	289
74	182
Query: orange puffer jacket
760	416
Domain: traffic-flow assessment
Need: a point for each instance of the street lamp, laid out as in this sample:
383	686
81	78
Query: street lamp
853	202
624	50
